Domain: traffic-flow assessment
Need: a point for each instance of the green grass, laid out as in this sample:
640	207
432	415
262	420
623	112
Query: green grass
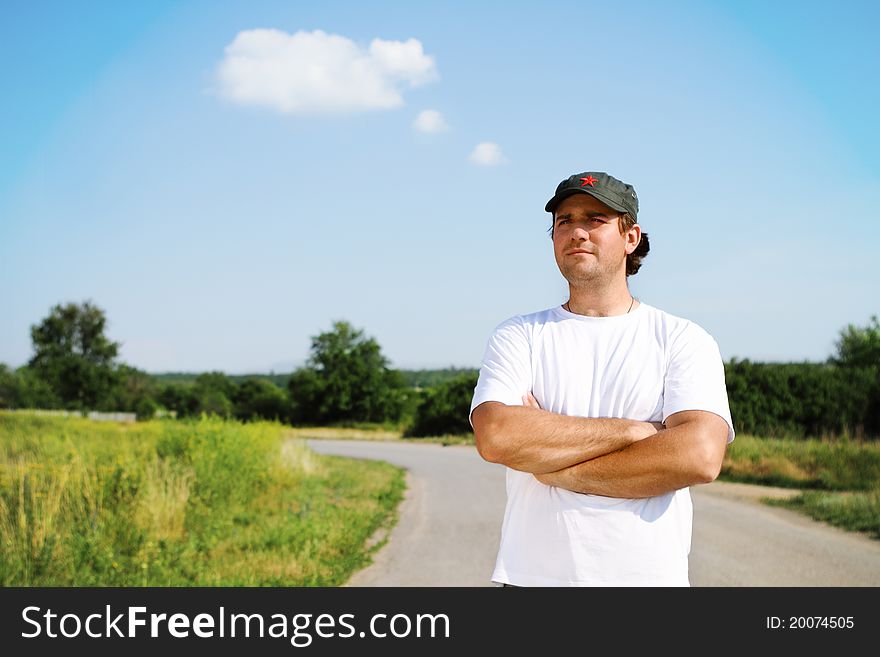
858	512
840	478
807	464
198	503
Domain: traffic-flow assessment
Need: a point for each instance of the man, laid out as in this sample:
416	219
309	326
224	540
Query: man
603	409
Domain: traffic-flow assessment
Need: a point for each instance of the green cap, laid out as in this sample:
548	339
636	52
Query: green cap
598	184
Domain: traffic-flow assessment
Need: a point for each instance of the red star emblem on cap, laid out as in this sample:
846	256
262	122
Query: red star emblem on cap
589	180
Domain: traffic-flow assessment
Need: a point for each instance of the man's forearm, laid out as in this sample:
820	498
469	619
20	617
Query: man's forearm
537	441
673	458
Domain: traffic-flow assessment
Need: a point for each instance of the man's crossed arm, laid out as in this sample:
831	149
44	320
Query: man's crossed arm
602	456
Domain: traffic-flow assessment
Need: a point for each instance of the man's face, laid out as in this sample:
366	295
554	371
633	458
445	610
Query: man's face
587	242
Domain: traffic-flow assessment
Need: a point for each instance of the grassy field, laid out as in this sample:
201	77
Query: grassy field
840	479
812	464
199	503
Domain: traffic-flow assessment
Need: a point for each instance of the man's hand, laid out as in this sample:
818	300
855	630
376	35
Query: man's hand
529	400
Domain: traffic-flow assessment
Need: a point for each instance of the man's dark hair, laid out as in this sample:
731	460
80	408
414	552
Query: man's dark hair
634	259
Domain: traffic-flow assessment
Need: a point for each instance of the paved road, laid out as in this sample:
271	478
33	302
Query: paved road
450	524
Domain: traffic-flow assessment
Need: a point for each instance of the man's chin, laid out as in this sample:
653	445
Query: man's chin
581	274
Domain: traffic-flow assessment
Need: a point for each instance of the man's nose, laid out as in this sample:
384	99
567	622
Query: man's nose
580	234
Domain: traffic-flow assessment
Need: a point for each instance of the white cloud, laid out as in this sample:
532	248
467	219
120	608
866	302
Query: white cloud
313	72
487	154
430	121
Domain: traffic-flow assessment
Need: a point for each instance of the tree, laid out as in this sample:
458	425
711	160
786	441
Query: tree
74	357
260	398
180	398
445	408
305	389
859	346
8	385
858	351
137	391
345	379
214	402
216	382
145	408
214	390
22	389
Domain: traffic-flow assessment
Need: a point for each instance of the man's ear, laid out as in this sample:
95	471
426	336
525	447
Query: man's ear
633	237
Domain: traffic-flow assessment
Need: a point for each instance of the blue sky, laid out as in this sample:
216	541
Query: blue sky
181	165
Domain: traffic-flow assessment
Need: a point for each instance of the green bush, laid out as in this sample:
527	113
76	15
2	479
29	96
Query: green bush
145	408
22	388
180	398
803	399
445	408
260	399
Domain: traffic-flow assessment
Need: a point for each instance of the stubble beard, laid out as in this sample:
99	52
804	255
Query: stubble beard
592	277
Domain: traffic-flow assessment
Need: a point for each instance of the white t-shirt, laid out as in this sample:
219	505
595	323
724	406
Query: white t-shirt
643	365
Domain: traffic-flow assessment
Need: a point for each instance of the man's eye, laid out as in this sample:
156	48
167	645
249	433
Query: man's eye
564	221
